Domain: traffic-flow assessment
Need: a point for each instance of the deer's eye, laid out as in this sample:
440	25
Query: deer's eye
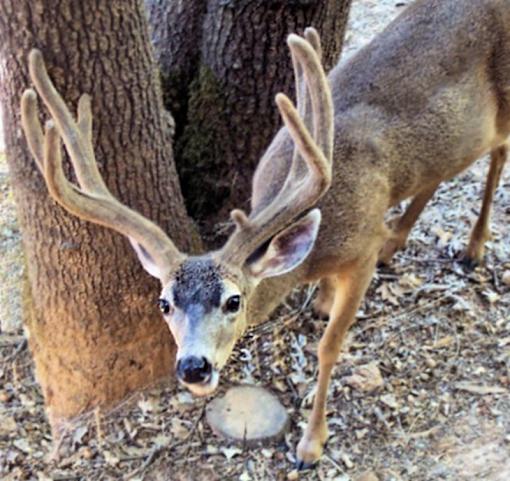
233	303
164	306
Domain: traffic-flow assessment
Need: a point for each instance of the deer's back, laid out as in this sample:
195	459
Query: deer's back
430	91
417	105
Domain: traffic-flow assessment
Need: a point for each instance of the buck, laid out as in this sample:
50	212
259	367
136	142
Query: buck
415	107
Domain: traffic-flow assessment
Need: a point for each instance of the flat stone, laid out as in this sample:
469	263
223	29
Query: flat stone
248	415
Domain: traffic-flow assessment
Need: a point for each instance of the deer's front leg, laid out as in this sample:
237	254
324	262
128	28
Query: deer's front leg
350	286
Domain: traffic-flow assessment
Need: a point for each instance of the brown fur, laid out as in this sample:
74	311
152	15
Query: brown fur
418	105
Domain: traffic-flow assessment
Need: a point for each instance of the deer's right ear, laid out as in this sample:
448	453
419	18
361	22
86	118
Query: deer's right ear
146	260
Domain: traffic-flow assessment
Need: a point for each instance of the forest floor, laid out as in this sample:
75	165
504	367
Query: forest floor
437	334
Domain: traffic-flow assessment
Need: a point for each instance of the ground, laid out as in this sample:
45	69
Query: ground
437	334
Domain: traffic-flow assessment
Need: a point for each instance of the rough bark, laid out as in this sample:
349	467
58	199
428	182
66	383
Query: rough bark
94	330
176	33
224	89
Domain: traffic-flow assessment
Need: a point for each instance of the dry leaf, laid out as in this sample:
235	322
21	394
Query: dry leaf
179	428
390	400
229	453
110	458
442	235
23	445
366	378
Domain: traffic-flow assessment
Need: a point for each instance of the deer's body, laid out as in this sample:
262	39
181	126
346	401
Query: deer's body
416	106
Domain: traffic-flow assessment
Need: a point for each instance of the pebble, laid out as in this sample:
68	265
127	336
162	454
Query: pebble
86	453
347	461
430	362
4	397
505	278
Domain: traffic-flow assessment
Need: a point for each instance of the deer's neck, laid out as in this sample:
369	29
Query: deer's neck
270	293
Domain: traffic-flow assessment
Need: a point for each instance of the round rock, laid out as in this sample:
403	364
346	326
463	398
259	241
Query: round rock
248	414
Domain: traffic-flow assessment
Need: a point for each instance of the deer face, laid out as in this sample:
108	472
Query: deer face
204	305
204	300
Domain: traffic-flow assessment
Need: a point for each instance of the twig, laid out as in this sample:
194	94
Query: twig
99	430
65	477
424	260
55	451
334	463
21	346
156	451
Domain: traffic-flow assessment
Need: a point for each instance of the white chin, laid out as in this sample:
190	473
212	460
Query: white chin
206	388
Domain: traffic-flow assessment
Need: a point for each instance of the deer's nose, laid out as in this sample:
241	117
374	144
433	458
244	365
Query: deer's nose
192	369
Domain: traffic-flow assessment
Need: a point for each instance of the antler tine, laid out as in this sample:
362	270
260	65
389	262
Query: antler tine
32	127
315	159
300	85
313	38
318	88
93	202
298	193
78	146
302	97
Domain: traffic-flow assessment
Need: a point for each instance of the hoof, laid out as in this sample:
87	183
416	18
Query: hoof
469	263
302	466
309	452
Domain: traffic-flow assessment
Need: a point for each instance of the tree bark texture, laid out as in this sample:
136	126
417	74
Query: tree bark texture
94	330
222	63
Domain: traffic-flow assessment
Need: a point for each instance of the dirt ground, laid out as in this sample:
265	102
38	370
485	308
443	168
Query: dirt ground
437	334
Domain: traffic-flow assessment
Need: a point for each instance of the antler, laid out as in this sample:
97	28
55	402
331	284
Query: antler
305	184
93	201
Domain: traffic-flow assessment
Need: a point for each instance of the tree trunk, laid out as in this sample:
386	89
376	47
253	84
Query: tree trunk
222	63
94	330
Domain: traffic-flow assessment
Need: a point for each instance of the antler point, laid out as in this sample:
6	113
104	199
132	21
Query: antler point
293	39
29	94
35	56
240	219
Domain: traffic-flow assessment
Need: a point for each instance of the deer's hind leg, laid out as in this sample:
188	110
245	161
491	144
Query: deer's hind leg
481	231
403	225
349	288
324	300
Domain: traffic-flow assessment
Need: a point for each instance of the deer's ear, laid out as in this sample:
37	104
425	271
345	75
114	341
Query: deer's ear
288	249
146	260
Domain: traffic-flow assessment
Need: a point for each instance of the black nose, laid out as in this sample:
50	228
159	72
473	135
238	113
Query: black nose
193	369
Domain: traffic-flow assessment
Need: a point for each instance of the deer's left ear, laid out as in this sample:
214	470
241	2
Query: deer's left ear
289	248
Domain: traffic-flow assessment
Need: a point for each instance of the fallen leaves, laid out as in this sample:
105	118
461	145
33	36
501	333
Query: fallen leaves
366	378
431	347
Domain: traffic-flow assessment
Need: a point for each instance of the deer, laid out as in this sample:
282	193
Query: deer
413	108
